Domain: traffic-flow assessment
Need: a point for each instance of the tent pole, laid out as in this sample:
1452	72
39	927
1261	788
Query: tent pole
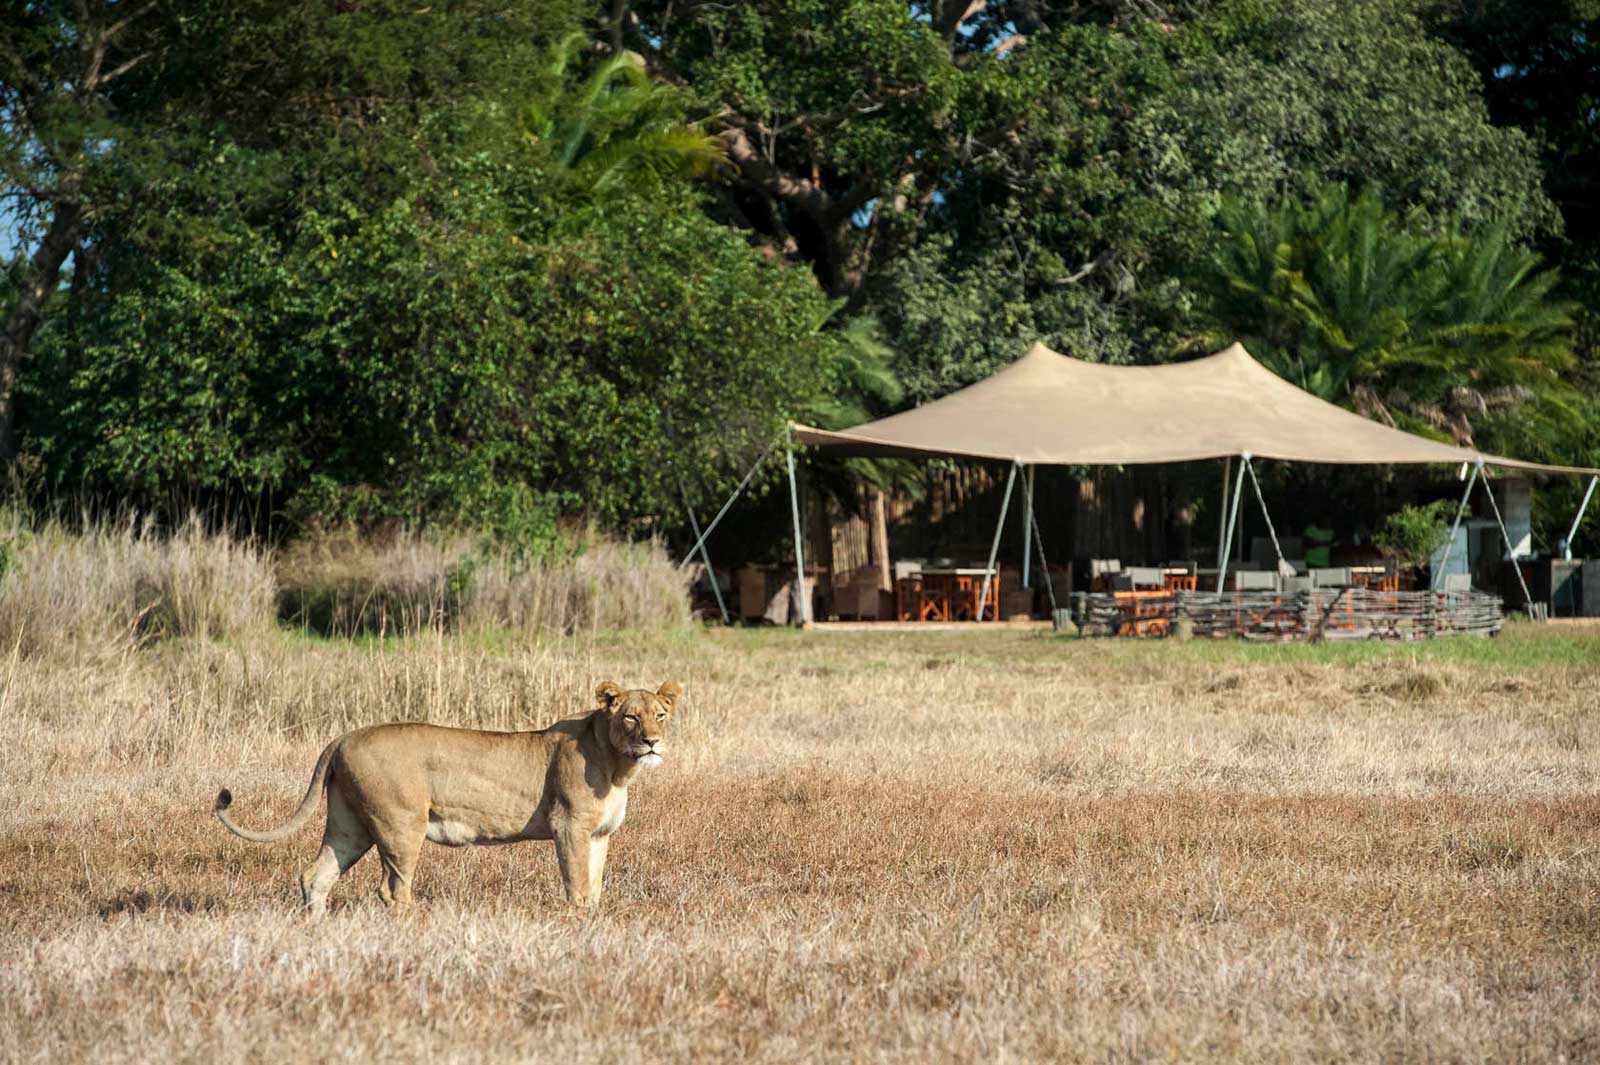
1027	528
1450	544
1222	510
706	535
1270	530
1049	584
994	548
802	601
705	555
1494	505
1579	516
1233	517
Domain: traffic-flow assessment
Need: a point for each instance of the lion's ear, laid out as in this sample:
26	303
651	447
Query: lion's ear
669	694
608	693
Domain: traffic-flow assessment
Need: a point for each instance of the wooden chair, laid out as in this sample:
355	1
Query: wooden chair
964	600
1249	617
933	598
1180	576
1144	603
1101	573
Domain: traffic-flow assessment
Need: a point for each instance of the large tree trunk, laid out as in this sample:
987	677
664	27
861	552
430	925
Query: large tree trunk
44	273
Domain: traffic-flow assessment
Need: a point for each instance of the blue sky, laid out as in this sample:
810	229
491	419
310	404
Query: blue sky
8	233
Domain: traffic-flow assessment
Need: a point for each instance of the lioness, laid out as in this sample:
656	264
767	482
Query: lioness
397	785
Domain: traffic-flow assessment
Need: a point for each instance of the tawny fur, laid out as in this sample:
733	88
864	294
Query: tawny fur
395	786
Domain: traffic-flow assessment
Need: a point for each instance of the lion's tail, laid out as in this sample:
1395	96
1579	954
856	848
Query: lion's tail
319	781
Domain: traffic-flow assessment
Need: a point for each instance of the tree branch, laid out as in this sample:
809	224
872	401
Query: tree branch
122	68
766	175
123	23
948	22
618	9
43	273
862	192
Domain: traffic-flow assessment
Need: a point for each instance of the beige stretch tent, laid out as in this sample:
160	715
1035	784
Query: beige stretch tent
1047	408
1050	409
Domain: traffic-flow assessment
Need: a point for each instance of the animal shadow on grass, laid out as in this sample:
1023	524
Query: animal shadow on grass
160	900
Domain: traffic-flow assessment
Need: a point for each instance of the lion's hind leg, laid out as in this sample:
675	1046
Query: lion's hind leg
399	847
344	841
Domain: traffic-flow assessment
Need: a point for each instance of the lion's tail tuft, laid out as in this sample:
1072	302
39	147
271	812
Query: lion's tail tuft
319	782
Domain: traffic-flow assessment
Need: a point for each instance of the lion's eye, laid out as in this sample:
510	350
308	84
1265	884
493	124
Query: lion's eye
630	719
661	716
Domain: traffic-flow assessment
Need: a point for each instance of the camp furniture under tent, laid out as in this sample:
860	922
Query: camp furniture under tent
1049	409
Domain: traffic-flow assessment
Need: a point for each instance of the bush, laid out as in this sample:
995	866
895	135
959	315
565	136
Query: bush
1412	534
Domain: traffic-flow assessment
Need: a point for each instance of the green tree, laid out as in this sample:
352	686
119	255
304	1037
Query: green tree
64	119
401	310
129	132
1539	63
1413	533
1300	92
1066	145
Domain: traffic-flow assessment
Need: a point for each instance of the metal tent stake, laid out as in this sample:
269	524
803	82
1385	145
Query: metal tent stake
1027	528
1450	544
700	542
802	600
1494	505
1033	521
1222	513
994	549
1576	518
1270	530
1226	546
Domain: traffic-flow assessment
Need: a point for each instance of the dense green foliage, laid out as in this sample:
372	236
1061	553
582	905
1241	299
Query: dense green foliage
475	264
451	308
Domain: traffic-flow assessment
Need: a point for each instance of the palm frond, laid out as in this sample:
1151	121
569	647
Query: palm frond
1353	302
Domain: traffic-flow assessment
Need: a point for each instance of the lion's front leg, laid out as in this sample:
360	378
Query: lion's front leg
574	854
598	848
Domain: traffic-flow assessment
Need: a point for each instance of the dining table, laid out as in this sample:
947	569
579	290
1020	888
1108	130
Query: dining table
948	593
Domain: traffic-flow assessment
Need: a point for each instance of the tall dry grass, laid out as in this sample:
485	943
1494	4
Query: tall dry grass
102	589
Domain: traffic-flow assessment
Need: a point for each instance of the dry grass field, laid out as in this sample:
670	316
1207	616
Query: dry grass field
993	846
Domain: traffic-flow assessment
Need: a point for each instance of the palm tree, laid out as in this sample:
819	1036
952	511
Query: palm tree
617	131
1353	303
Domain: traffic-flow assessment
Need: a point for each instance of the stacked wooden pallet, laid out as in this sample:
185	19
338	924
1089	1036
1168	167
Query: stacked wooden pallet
1317	614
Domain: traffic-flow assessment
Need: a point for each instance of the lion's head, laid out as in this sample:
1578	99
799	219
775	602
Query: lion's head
638	719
